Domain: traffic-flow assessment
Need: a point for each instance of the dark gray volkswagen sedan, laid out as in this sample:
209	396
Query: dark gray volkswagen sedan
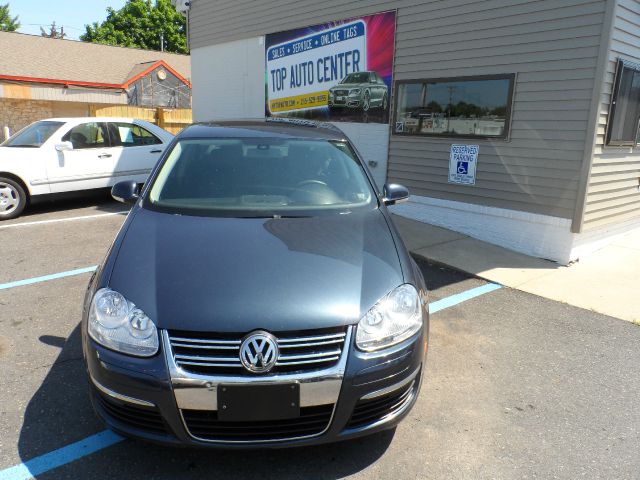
258	293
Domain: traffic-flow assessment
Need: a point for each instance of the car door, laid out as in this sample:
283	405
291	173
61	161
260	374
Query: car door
88	164
136	150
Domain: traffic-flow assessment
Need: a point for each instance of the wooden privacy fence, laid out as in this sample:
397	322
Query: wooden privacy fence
171	119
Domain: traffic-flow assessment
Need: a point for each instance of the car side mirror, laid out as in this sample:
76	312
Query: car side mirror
125	192
64	146
394	193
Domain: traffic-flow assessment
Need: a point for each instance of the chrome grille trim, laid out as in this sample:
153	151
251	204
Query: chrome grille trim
306	356
215	359
337	336
306	362
196	391
307	352
204	340
311	344
208	364
219	347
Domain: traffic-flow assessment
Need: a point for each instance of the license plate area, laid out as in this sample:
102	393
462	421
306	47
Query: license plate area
254	403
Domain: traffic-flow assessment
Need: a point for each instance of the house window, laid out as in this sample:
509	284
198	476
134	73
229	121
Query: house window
624	112
455	107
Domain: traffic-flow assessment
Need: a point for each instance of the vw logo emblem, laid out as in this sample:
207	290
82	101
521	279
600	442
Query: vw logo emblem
259	352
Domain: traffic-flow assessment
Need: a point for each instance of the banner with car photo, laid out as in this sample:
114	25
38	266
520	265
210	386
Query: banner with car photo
338	71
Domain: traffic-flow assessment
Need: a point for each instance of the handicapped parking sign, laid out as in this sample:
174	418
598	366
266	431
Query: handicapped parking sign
462	164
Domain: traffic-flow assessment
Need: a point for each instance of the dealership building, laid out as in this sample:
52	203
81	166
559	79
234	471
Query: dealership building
512	121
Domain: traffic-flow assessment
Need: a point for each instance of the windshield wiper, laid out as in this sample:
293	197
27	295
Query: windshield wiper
23	146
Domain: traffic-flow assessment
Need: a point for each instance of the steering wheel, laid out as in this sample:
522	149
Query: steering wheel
311	182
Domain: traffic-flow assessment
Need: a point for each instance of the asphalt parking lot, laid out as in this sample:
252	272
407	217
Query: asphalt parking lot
516	386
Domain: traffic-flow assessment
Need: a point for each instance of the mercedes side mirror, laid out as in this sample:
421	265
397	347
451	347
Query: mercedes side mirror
64	146
125	192
394	193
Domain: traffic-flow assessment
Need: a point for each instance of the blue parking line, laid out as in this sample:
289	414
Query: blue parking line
106	438
462	297
61	456
46	278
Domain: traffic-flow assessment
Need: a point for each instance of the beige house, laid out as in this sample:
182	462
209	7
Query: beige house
42	77
558	162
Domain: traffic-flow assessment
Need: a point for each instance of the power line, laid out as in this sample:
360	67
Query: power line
49	25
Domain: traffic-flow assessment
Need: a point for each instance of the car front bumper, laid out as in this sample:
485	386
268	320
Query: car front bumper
155	400
348	101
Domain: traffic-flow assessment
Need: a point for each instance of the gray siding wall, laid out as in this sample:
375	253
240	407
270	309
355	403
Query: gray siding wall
552	46
612	193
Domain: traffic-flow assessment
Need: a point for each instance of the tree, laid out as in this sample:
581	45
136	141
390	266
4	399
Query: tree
53	32
434	107
8	24
141	24
499	111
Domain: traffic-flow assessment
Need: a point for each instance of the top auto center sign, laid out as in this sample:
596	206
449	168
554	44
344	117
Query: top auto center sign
300	72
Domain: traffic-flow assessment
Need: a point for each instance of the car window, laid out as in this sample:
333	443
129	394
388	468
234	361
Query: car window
87	135
261	177
131	135
360	77
34	135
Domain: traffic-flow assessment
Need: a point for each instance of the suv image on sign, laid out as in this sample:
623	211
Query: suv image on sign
363	90
258	294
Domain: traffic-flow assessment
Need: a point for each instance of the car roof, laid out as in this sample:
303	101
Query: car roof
92	119
272	127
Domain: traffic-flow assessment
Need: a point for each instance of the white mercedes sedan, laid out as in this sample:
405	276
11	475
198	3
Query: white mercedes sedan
73	154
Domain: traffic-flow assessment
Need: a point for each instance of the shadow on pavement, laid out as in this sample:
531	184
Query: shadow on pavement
331	461
437	276
100	199
60	413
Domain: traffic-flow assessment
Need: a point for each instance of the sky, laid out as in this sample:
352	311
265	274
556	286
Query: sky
73	14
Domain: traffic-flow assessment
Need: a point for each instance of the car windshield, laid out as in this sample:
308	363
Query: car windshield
260	177
361	77
34	135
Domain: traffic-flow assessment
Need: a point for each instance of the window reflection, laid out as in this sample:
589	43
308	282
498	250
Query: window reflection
474	107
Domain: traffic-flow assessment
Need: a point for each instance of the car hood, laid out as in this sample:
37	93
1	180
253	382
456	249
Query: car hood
346	86
237	275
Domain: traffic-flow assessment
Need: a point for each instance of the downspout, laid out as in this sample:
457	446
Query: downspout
594	115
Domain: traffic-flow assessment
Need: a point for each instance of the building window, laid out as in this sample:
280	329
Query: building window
455	107
624	112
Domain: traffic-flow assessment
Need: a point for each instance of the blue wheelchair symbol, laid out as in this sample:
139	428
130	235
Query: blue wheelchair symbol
463	168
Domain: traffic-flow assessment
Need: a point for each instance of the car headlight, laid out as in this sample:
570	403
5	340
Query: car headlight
396	317
118	324
355	91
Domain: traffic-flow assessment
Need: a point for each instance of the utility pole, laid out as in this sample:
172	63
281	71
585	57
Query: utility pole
162	41
53	32
451	89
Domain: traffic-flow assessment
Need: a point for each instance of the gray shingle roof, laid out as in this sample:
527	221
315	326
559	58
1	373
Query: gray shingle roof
40	57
